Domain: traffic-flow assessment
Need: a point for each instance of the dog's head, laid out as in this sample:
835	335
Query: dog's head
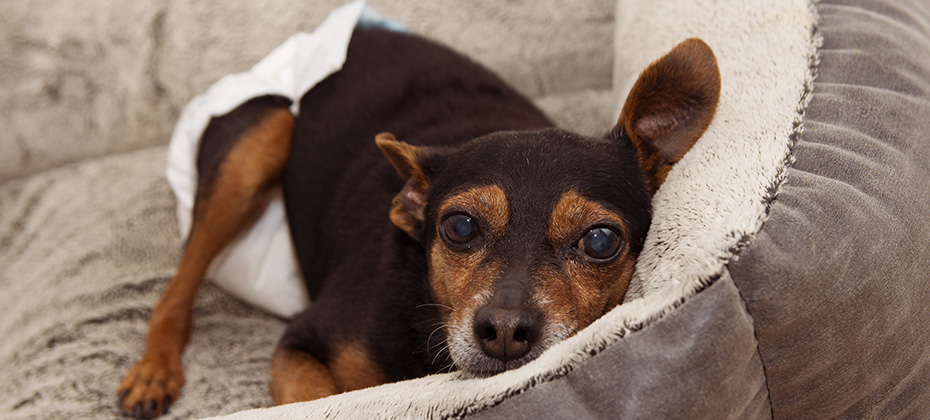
531	236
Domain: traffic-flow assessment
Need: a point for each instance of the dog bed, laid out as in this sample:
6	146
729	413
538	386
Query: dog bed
88	227
785	274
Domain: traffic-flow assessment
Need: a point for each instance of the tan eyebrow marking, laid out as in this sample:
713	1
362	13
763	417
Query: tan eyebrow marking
576	293
460	280
488	202
573	212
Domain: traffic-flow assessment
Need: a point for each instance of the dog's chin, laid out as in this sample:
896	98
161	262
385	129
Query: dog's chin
468	357
482	366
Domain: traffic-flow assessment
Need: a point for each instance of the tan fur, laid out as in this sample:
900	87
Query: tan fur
353	368
407	206
573	212
402	156
459	279
243	188
572	294
489	203
297	376
577	293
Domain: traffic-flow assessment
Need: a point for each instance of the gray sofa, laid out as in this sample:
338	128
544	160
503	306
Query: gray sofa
785	275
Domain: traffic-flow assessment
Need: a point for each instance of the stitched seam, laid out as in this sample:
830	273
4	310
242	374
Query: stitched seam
816	39
765	377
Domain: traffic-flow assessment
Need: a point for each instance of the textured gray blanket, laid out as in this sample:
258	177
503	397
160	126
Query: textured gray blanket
88	237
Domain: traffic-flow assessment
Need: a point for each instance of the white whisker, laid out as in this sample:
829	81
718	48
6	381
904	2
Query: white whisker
437	305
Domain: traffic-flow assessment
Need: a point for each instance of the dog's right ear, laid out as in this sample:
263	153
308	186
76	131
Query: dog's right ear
407	208
670	106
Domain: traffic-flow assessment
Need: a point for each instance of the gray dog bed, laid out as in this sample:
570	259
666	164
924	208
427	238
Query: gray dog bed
786	271
785	274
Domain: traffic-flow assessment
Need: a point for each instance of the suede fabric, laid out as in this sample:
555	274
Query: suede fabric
837	281
706	344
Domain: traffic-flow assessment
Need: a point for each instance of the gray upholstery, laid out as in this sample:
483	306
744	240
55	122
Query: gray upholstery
652	374
837	283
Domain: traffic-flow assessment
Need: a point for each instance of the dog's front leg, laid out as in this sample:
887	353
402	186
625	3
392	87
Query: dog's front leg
155	381
298	376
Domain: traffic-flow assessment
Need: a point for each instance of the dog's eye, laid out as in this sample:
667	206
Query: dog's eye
601	243
459	228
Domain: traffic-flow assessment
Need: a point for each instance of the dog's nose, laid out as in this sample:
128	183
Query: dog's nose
506	333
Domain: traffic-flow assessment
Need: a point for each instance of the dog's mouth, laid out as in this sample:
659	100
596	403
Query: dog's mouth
473	358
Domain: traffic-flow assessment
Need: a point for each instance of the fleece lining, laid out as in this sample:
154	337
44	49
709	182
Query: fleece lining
711	205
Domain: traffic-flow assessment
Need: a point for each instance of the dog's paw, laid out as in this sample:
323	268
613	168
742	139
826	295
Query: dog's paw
150	387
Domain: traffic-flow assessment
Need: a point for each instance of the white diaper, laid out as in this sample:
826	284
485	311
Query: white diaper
260	266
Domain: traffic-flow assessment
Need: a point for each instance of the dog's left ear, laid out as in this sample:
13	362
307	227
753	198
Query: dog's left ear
670	106
410	162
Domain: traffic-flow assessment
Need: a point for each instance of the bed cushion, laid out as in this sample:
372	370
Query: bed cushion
837	280
110	76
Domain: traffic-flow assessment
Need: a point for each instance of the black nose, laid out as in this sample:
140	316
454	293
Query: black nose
506	333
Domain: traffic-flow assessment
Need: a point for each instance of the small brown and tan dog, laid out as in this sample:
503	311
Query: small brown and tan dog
502	235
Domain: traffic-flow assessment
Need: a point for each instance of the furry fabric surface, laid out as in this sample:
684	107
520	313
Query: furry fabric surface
718	196
86	251
107	76
88	234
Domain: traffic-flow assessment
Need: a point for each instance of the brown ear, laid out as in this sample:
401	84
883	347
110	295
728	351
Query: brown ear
407	206
670	106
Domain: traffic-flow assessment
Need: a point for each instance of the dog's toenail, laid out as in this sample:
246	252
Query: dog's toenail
152	407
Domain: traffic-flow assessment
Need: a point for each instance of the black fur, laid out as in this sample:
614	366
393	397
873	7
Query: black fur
222	134
368	279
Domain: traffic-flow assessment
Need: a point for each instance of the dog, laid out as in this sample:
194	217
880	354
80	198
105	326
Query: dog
475	243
